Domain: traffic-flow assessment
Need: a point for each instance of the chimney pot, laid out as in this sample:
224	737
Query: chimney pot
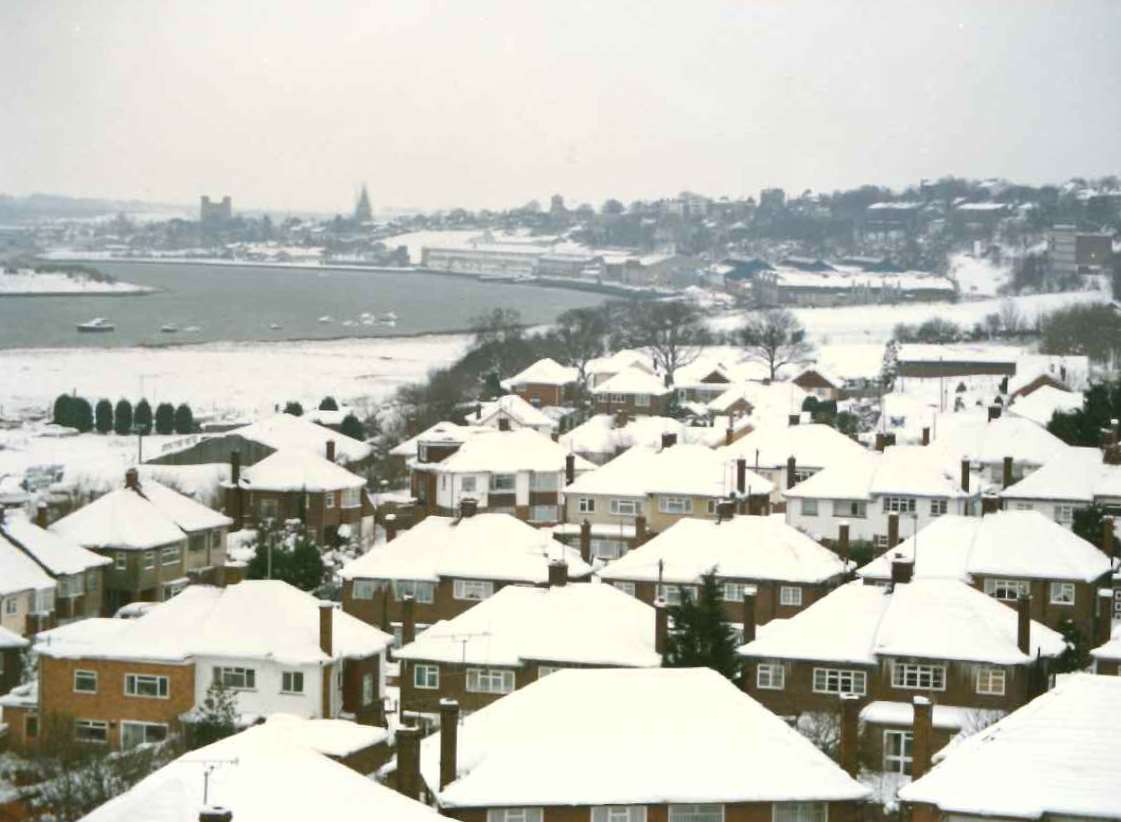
558	573
326	628
408	761
449	741
1007	472
843	543
41	515
569	469
790	472
408	619
586	541
390	525
330	450
741	475
921	731
1023	625
725	510
639	530
214	813
132	478
902	570
926	435
965	475
850	731
661	627
994	412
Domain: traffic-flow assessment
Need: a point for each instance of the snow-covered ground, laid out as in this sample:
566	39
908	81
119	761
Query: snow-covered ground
25	281
244	379
978	277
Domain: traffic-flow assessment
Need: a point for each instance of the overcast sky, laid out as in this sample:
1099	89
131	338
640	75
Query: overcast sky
482	103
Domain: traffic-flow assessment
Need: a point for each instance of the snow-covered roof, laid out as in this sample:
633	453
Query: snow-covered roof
899	469
10	639
1056	757
824	373
928	618
990	441
255	619
1021	544
298	471
19	572
59	555
263	774
546	371
1042	403
515	408
690	470
522	449
1078	475
812	446
772	403
744	547
944	717
288	432
932	353
511	752
1110	650
448	433
601	434
188	514
633	381
579	623
619	361
483	546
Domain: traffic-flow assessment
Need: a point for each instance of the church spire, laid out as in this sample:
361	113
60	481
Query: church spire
362	211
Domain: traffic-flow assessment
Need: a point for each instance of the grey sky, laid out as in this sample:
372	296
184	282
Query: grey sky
290	105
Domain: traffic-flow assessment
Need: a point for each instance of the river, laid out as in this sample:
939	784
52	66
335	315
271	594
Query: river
259	303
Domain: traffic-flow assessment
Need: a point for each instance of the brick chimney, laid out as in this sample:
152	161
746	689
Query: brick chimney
408	761
669	439
994	412
794	419
1023	625
892	529
132	479
902	570
236	507
569	469
881	441
661	627
41	515
408	619
449	741
639	530
215	813
926	435
468	507
748	614
725	510
843	542
586	541
326	628
729	435
1107	536
850	733
922	731
330	450
558	573
1007	472
390	526
478	411
741	475
503	424
965	475
790	466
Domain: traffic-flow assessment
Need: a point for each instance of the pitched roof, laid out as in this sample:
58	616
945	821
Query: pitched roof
745	547
1110	650
691	470
287	432
298	471
990	441
511	752
772	403
57	554
264	773
1055	757
484	546
1078	475
812	446
442	432
587	624
1022	544
619	361
1042	403
522	449
514	407
899	469
255	619
929	618
633	381
137	518
546	371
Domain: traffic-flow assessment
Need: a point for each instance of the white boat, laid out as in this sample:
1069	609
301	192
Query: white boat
389	323
192	329
274	326
389	315
349	323
169	328
97	324
326	318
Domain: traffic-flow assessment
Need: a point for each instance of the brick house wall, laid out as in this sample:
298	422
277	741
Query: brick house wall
354	672
384	609
539	394
11	665
733	812
135	582
767	601
322	520
1052	614
608	404
110	703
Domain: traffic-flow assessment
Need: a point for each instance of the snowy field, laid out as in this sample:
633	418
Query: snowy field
243	379
25	282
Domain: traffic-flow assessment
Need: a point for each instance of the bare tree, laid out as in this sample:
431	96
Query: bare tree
1011	320
580	336
776	338
672	330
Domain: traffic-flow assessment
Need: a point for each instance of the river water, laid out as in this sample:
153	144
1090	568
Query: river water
261	303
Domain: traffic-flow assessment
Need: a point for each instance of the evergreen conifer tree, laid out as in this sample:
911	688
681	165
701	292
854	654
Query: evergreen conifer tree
165	418
122	417
699	637
81	414
184	419
62	414
142	417
351	427
328	404
103	416
294	408
216	717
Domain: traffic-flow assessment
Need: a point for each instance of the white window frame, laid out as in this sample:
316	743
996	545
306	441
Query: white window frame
489	681
475	590
624	586
990	681
733	591
133	686
86	673
840	681
351	498
1007	590
169	551
770	676
11	606
426	676
289	680
939	507
790	595
329	499
369	692
231	675
675	506
899	505
363	589
1064	514
545	481
671	593
809	507
586	505
799	812
850	509
695	812
149	560
902	761
618	813
497	487
421	591
515	814
468	484
1061	593
132	723
120	561
625	507
92	724
918	676
642	400
544	513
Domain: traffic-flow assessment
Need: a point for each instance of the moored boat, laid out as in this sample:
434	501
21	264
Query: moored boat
97	324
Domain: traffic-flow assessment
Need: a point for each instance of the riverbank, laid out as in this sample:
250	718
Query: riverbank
29	283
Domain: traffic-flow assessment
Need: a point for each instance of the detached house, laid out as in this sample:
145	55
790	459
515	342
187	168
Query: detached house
765	569
1054	758
820	383
788	454
27	592
601	369
442	566
1007	555
652	489
911	482
938	638
328	499
771	404
521	635
634	392
546	382
1076	479
155	537
510	412
1003	450
129	681
78	574
642	754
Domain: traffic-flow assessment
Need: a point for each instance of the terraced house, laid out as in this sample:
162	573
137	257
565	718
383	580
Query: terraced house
154	536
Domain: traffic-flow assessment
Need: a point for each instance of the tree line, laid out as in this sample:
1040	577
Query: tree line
122	418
